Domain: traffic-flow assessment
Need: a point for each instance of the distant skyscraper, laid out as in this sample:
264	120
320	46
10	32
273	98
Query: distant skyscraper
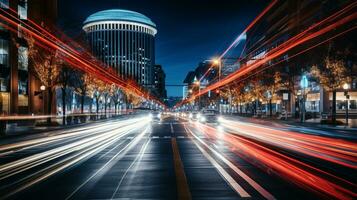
124	40
159	81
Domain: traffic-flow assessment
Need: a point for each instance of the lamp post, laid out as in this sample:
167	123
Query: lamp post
217	61
303	83
43	88
346	87
198	83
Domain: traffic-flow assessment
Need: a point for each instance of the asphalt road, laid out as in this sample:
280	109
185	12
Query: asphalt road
177	159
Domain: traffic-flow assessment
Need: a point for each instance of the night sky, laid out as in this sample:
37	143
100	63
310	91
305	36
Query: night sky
189	31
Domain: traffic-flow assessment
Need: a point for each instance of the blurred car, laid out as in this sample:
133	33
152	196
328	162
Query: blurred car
209	116
156	116
194	116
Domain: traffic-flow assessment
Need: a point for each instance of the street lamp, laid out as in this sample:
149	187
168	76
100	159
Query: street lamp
43	88
198	83
304	84
346	86
218	62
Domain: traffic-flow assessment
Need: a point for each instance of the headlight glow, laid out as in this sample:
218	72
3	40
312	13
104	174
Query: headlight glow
202	119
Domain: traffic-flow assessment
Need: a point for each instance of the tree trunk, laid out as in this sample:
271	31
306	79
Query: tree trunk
82	103
105	106
115	108
97	104
49	104
63	105
270	108
240	108
91	105
333	107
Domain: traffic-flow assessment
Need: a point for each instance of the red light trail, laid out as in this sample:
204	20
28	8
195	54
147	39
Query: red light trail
328	24
238	39
248	144
81	61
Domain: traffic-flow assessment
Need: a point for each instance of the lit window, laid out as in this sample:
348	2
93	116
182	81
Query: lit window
4	52
22	9
23	58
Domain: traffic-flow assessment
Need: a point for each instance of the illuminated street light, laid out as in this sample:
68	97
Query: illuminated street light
216	61
42	88
198	83
346	86
304	84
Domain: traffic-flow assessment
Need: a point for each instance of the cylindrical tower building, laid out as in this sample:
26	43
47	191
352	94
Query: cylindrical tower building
124	40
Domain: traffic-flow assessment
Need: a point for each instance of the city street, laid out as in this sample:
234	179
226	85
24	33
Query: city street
179	99
136	158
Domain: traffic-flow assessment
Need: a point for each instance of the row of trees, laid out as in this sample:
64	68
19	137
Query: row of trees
53	72
266	86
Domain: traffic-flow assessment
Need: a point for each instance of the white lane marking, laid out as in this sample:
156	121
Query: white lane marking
251	182
172	128
107	164
224	174
155	137
166	137
180	136
136	161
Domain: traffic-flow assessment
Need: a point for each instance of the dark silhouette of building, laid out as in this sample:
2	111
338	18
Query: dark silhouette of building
159	82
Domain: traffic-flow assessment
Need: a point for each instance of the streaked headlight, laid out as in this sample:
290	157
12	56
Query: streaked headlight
220	119
202	119
190	115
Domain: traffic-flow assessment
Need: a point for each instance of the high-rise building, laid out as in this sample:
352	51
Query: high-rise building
18	84
125	41
159	81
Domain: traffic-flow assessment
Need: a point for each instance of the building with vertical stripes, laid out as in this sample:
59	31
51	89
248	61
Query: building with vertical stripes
125	41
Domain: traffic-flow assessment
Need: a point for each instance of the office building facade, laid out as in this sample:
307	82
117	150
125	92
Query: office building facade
125	41
18	84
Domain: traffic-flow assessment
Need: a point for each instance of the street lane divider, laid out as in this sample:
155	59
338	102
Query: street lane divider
110	163
229	179
69	155
183	191
250	181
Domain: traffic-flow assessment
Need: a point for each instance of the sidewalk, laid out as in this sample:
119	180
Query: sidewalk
13	130
311	123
